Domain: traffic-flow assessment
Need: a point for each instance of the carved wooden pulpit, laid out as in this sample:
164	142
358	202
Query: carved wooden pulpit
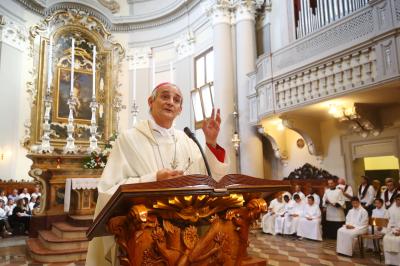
189	220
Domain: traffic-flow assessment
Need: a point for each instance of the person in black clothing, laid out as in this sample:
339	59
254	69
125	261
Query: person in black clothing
21	217
390	193
377	186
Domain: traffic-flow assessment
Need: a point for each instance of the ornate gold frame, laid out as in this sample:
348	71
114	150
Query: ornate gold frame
75	22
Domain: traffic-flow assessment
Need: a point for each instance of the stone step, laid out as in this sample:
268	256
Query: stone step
51	241
80	220
65	230
42	254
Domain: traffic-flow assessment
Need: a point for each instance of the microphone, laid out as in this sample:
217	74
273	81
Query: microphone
190	134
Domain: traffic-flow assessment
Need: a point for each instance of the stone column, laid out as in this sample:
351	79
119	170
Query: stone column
219	11
251	153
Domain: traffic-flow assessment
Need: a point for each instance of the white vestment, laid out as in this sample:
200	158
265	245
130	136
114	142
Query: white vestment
347	238
268	220
334	196
5	199
24	195
391	243
137	155
369	196
317	199
310	223
347	190
376	213
301	195
288	223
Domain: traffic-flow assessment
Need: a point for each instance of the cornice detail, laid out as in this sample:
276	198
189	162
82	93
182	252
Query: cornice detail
220	11
139	57
245	10
13	34
112	5
184	45
115	26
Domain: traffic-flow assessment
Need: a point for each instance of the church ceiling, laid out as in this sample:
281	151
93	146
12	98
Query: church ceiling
119	15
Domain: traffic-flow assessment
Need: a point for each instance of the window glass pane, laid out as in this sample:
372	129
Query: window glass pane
207	102
210	66
200	75
198	112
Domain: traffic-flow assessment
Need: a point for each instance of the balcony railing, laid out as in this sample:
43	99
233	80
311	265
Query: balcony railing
311	15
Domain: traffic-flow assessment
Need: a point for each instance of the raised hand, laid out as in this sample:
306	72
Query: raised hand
211	127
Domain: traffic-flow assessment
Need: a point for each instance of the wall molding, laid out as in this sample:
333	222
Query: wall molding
124	24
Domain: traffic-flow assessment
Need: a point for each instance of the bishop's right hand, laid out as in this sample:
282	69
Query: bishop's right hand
165	174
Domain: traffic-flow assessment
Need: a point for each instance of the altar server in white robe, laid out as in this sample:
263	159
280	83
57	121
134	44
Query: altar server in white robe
333	202
310	221
297	191
154	150
378	212
391	240
347	193
280	216
287	224
356	224
276	207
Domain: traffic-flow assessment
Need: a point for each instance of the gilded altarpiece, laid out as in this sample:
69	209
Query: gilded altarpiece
87	31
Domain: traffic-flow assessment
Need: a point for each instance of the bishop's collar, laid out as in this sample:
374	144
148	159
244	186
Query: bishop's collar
165	132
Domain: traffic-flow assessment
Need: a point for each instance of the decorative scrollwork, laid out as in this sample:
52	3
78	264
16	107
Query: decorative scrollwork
177	240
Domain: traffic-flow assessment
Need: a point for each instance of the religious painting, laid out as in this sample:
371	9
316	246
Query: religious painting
82	94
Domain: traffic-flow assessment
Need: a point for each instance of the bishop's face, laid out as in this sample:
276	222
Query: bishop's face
166	106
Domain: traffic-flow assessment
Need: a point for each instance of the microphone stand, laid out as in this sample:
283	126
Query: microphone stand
190	134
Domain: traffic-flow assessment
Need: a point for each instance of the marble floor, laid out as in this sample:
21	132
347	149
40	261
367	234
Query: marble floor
277	250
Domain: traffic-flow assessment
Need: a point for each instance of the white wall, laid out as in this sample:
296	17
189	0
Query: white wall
332	160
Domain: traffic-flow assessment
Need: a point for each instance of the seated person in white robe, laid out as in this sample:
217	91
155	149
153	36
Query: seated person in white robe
282	213
317	198
297	191
356	224
310	221
291	218
391	240
154	150
276	207
379	212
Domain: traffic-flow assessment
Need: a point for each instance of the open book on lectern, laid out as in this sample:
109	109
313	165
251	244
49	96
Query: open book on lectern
143	193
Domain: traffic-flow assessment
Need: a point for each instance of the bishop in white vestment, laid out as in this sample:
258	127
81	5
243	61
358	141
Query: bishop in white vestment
391	240
153	150
356	224
276	208
310	221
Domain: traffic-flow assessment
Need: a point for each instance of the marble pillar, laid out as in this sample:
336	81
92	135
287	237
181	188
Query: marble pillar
251	153
220	14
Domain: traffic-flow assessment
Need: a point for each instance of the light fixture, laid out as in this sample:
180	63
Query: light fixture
280	125
360	121
236	141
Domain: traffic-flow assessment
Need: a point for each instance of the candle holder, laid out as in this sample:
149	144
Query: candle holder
45	146
93	129
70	146
134	112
